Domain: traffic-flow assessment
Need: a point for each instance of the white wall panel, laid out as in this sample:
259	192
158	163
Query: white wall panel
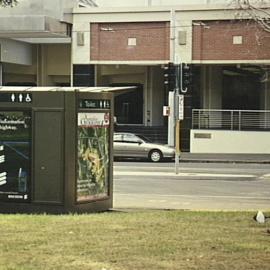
230	142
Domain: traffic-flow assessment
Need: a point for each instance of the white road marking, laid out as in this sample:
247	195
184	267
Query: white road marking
182	174
265	176
192	196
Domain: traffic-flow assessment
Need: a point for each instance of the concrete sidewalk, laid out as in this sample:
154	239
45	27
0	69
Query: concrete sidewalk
225	158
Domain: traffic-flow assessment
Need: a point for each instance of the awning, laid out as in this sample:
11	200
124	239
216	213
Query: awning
104	89
32	26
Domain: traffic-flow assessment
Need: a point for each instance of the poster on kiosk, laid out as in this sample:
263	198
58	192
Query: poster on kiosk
15	151
93	156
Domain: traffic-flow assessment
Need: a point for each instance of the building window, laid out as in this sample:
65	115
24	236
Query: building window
132	41
83	75
237	40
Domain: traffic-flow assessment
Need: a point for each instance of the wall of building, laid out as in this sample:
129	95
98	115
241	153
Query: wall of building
230	40
231	142
52	8
121	3
83	19
50	65
130	41
59	59
203	20
54	64
185	18
15	52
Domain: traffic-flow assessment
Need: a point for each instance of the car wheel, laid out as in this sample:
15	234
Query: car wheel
155	155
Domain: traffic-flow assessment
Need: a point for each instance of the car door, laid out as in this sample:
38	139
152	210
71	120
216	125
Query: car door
133	145
119	148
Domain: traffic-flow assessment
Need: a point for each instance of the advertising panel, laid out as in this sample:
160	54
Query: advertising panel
93	156
15	151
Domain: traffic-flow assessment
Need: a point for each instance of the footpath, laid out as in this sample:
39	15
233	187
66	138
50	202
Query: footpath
226	158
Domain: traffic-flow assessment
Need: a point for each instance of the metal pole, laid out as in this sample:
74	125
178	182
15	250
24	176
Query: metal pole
177	120
177	145
1	74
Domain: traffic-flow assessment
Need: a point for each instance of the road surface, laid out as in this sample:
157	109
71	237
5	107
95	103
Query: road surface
197	186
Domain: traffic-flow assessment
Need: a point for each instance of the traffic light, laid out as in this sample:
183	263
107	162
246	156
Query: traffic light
186	77
169	76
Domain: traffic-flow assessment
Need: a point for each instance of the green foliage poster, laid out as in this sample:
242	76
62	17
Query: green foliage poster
93	156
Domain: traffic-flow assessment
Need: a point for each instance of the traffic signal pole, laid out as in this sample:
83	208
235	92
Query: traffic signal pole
182	83
177	119
1	74
177	145
177	80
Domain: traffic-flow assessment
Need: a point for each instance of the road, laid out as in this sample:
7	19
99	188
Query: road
198	186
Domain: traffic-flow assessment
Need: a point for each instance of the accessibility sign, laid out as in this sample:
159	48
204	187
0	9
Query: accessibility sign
16	97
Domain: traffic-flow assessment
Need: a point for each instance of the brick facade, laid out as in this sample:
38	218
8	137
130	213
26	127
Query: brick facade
230	40
136	41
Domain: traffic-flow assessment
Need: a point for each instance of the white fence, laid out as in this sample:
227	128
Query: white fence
231	119
230	131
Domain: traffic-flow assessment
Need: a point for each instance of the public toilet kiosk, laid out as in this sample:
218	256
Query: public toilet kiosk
55	149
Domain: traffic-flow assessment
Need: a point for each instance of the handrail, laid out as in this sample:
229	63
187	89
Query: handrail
231	119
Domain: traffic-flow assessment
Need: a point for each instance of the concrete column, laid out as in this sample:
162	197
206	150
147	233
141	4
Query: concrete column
204	87
211	82
265	96
216	87
42	65
265	103
149	96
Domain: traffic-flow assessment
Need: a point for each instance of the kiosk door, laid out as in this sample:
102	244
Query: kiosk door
48	163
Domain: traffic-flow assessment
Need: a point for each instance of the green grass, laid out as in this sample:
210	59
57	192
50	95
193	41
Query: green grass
150	240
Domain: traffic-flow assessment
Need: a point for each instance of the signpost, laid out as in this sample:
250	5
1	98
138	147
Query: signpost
181	107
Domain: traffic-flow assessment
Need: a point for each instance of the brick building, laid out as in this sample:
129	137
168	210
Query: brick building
230	58
78	43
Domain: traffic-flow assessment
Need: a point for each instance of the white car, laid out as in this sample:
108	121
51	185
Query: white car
137	146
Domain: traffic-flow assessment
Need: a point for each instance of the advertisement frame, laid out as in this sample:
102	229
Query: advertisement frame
94	197
21	197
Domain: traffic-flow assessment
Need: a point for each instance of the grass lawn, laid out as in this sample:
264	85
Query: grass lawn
150	240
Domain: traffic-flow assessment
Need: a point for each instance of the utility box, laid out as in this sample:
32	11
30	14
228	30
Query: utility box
55	150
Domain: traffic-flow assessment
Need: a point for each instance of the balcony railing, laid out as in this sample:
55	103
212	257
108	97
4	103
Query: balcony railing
254	120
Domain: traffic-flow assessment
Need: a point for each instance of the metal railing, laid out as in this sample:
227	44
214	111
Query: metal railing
255	120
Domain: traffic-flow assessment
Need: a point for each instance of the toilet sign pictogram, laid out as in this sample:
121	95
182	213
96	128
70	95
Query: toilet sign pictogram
16	97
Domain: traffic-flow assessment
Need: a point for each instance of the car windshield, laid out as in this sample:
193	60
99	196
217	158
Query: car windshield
144	138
